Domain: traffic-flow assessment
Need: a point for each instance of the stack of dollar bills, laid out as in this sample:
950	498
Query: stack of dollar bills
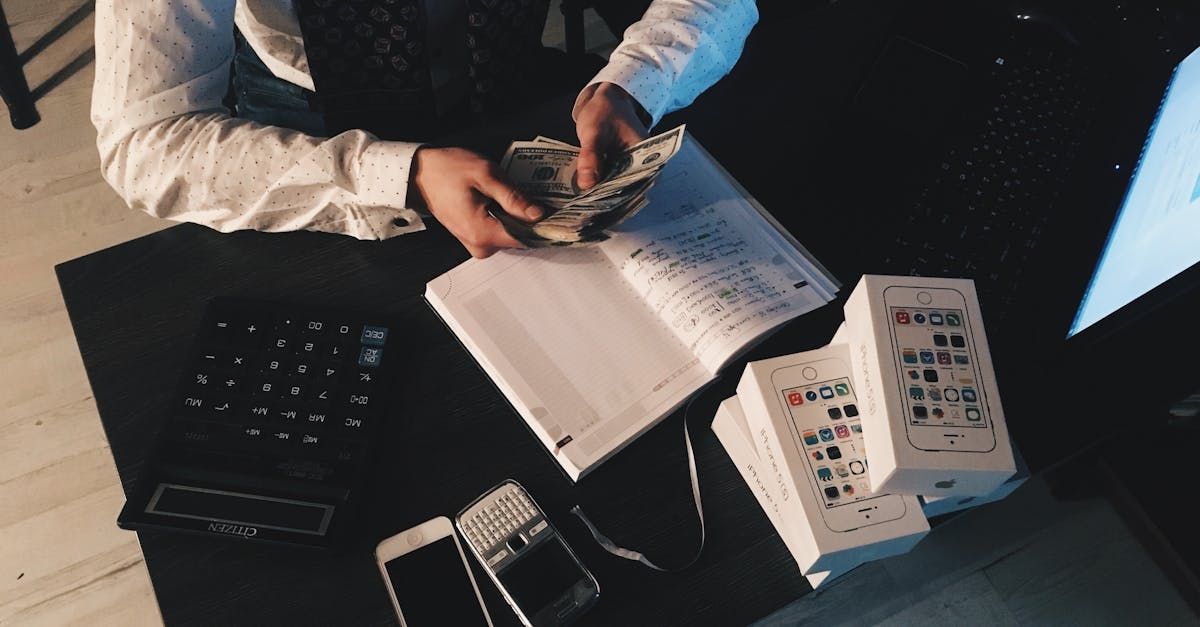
544	169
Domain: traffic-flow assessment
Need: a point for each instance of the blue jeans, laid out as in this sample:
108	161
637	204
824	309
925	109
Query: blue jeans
262	97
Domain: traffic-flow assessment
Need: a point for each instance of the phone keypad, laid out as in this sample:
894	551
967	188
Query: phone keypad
506	524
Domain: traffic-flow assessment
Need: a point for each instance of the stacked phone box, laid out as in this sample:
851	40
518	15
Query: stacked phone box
851	447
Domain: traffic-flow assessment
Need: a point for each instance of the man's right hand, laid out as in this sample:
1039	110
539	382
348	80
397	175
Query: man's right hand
458	185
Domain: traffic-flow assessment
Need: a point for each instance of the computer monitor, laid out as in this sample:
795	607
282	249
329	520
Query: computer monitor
1153	249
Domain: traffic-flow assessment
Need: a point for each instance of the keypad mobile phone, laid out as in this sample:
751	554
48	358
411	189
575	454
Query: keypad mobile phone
538	574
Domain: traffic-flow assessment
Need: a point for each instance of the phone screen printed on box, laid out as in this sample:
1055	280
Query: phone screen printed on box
938	368
432	587
826	417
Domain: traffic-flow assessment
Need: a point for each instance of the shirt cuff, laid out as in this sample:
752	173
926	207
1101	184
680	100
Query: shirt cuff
382	191
645	83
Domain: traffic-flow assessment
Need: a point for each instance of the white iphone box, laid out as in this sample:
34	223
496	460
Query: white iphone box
734	434
931	414
839	336
805	425
938	505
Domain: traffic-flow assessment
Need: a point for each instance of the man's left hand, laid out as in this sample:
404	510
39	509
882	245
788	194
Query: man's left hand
606	121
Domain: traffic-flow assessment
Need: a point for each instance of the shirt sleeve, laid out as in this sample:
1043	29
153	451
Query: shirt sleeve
169	147
677	50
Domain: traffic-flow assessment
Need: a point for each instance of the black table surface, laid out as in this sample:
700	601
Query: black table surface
134	308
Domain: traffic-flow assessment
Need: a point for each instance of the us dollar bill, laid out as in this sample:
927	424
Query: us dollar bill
545	170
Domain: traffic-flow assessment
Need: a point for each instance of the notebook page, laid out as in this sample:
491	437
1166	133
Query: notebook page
709	264
581	358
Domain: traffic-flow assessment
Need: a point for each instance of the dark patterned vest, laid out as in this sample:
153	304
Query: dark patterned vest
370	62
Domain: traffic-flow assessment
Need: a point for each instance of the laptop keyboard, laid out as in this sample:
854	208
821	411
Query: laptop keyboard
989	198
272	424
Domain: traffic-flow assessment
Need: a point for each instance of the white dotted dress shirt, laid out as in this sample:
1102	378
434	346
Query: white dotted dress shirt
170	148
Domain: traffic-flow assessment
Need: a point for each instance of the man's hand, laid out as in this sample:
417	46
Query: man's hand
606	121
457	186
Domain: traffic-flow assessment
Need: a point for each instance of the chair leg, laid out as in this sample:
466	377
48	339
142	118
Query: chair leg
13	88
572	11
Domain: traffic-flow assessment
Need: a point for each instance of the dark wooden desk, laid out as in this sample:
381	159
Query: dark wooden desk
134	306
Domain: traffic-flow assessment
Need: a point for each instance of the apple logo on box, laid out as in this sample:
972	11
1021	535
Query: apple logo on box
945	484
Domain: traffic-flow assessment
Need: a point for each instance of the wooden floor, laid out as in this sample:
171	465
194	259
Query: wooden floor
1028	560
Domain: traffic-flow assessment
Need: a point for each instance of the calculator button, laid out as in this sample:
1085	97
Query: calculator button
353	422
192	432
266	388
373	336
314	327
370	357
221	408
321	395
362	401
346	451
222	328
308	348
287	414
250	332
201	380
193	405
364	378
292	391
302	369
275	364
237	360
344	333
240	333
316	418
329	371
258	410
337	352
281	439
286	325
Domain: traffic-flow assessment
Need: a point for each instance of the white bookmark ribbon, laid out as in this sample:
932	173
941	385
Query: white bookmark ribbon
637	556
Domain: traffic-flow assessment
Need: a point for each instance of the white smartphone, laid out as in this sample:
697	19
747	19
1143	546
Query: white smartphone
538	574
428	577
945	403
819	399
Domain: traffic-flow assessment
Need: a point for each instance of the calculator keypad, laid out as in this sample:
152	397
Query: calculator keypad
269	391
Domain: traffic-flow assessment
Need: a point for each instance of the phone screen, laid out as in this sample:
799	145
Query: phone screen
826	417
540	576
432	587
938	368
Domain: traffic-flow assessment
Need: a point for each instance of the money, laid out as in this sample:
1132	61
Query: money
545	170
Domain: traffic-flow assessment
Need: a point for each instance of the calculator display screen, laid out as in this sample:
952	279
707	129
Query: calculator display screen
543	573
432	587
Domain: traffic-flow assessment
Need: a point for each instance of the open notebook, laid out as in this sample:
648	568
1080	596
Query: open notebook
594	345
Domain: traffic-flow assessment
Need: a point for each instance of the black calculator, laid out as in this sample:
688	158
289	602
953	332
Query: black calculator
272	428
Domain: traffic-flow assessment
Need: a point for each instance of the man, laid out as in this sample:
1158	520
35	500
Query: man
170	147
